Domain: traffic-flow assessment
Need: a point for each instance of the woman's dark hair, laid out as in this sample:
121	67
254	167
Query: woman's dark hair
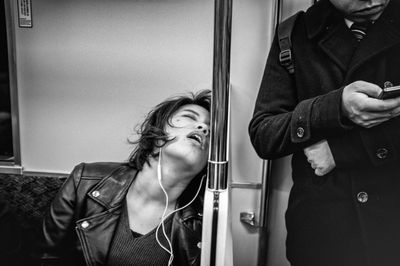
151	131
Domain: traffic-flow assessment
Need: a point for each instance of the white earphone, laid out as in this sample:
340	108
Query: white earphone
164	216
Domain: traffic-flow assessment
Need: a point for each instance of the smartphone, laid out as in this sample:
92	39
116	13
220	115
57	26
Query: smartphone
390	92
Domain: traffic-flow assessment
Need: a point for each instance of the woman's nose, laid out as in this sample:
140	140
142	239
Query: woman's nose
204	128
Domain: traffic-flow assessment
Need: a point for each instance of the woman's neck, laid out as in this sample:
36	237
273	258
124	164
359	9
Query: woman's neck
147	186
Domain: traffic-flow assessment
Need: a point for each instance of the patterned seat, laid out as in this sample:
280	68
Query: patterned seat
27	199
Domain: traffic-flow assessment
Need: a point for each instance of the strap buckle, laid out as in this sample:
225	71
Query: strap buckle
285	57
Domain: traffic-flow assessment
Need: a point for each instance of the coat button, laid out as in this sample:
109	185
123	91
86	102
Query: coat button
362	197
85	224
387	84
199	244
300	132
382	153
95	193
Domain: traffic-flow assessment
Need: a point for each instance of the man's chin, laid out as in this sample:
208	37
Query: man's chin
367	15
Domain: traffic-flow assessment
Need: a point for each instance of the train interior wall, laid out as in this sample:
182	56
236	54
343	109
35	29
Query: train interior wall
88	71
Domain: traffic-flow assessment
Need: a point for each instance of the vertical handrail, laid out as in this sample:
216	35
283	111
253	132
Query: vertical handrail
218	158
266	178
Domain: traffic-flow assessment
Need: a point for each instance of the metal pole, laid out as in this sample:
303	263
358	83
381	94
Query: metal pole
218	158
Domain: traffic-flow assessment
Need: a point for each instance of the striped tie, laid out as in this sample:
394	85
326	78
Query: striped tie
359	29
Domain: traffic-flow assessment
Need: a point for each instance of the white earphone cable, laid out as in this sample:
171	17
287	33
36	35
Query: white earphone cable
164	217
159	177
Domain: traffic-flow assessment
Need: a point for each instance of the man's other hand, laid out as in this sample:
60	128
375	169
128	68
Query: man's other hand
320	157
360	104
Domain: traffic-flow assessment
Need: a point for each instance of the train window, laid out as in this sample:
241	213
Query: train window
6	148
7	105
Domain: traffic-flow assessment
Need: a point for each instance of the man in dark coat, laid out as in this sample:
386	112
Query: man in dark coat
344	207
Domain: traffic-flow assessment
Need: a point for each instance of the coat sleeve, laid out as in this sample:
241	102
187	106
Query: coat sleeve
58	224
281	124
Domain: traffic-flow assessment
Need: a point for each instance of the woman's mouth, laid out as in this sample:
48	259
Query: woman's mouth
196	137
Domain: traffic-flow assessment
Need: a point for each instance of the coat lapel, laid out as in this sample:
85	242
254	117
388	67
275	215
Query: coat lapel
95	232
111	191
339	45
326	24
337	42
382	35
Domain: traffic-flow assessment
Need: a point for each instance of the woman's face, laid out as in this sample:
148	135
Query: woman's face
190	136
360	10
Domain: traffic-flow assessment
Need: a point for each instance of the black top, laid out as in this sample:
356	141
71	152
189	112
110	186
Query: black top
134	249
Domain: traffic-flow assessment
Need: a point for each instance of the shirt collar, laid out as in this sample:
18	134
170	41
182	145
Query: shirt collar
348	22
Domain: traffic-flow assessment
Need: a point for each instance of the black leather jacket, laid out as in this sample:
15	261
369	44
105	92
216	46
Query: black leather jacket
89	203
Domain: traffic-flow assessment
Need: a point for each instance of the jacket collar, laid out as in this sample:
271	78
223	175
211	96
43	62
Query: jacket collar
111	190
326	25
323	14
384	34
324	20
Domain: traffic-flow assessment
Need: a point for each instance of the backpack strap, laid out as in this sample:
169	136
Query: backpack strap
285	29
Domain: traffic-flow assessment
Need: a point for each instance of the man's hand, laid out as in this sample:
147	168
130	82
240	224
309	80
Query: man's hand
360	104
320	157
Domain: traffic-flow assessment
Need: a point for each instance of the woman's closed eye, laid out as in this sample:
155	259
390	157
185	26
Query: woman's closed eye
190	116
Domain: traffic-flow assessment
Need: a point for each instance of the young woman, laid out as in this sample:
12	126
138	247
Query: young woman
146	211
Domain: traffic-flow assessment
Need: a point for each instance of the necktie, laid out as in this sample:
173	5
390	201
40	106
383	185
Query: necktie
359	29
